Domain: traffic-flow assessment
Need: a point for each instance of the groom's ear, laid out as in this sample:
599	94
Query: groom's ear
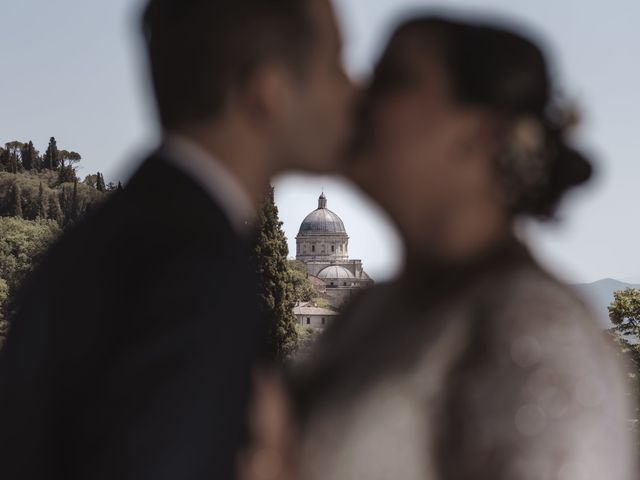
268	97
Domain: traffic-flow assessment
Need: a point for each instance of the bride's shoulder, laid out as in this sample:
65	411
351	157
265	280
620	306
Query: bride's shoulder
535	313
531	292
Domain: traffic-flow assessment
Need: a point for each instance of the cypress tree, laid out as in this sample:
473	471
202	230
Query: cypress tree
64	201
54	211
75	202
4	158
29	156
275	289
100	186
70	205
42	203
119	189
52	155
15	201
66	174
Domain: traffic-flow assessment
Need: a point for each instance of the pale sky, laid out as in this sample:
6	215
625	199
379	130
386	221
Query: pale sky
73	69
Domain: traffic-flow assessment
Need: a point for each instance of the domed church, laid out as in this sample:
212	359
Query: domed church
323	245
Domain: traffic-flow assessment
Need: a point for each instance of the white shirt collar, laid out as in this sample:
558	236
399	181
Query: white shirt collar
221	185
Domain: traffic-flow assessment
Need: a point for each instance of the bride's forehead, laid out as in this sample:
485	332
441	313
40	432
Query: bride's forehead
416	70
405	56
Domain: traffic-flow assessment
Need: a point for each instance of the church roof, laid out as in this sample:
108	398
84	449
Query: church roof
322	221
336	272
310	310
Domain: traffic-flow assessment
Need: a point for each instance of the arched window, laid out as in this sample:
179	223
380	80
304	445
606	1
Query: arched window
323	320
313	248
308	321
333	248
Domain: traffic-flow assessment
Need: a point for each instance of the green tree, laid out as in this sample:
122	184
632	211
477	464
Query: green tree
42	203
70	204
91	180
624	312
307	336
51	157
54	209
13	162
303	290
66	174
100	185
4	158
15	201
29	156
75	203
67	161
22	244
275	293
4	324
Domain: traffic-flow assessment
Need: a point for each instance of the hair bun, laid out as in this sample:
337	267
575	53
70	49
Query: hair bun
569	168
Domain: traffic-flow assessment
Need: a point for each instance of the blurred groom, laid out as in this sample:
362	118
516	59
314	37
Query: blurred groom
131	352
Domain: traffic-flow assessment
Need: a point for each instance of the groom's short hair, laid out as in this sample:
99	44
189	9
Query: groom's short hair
200	49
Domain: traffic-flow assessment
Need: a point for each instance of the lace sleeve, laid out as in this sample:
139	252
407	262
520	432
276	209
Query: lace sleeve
538	394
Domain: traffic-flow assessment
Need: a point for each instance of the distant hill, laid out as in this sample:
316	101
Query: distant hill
598	295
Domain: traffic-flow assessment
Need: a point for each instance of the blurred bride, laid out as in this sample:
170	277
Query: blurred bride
475	363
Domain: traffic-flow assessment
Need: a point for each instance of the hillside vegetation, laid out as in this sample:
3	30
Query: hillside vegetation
40	196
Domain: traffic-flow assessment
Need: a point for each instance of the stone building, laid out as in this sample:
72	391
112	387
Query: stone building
315	317
323	245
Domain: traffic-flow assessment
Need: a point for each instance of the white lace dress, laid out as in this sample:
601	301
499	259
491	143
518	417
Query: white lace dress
523	386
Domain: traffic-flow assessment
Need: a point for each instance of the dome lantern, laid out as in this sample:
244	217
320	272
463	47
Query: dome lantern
322	202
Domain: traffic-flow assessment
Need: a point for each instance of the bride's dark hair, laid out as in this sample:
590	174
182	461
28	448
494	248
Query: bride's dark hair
491	67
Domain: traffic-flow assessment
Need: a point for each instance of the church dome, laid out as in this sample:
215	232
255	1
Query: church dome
336	272
322	221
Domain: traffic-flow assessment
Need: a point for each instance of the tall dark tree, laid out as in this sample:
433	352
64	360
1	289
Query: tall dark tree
54	210
4	158
75	203
66	174
64	200
29	156
51	158
42	203
13	161
275	294
100	185
15	201
70	204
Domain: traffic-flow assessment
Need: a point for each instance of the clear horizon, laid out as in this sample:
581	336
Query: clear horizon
74	70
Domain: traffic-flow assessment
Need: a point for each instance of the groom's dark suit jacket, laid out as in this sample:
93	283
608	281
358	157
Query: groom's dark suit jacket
131	354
